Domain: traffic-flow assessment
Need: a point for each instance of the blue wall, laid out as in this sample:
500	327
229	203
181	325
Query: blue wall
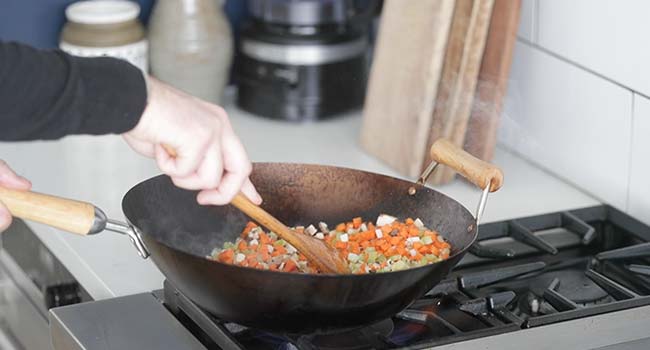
39	22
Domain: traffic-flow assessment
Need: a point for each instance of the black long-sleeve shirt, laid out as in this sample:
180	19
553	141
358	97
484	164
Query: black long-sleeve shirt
50	94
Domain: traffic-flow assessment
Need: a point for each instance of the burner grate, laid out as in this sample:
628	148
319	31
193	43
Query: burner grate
523	273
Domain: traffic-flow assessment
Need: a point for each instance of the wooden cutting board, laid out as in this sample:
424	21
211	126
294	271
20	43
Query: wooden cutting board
481	136
407	64
462	81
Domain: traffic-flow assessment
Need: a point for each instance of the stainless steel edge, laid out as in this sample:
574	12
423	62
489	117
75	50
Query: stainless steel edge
131	231
584	333
99	223
303	55
22	311
136	321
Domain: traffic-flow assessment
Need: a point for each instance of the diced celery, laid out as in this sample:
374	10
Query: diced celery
427	240
228	245
400	265
372	256
282	242
370	249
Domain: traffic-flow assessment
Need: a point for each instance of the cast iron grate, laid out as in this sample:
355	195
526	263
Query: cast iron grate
522	273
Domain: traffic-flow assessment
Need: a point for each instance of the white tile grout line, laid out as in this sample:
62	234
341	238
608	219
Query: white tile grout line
579	66
535	34
630	155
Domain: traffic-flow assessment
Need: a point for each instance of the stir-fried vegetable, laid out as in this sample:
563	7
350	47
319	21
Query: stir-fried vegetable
390	245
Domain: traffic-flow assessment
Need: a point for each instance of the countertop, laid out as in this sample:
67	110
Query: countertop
101	169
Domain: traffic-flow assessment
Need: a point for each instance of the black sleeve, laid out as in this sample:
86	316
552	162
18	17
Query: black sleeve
50	94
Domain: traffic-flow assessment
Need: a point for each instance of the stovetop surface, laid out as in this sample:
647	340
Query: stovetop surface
521	274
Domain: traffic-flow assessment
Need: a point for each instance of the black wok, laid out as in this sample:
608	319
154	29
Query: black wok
179	234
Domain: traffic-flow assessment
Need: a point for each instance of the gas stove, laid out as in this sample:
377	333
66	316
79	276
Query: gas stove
560	280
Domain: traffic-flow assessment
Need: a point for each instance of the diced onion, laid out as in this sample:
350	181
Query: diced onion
378	233
418	223
320	235
413	252
384	219
254	242
344	237
239	257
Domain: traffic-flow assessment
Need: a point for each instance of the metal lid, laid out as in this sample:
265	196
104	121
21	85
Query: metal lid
304	12
102	11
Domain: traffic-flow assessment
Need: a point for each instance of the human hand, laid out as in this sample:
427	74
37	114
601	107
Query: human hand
9	179
209	156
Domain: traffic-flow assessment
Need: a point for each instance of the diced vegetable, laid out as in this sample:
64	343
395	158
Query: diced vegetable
388	245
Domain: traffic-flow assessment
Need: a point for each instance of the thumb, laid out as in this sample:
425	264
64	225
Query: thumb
9	179
5	217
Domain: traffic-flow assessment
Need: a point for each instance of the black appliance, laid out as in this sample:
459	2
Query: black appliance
303	60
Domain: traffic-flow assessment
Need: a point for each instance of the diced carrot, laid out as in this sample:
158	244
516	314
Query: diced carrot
249	226
385	246
414	231
444	255
439	244
424	249
402	251
434	250
279	250
386	229
340	227
417	245
362	268
289	266
264	254
273	267
242	245
409	221
356	222
371	227
341	245
395	240
226	256
365	244
302	257
264	238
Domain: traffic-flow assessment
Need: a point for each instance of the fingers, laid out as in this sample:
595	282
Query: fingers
5	218
187	159
9	179
236	168
209	173
249	190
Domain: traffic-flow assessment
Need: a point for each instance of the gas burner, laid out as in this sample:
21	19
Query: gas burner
574	285
350	340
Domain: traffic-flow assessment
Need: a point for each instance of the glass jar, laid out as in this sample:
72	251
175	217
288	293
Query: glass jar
105	28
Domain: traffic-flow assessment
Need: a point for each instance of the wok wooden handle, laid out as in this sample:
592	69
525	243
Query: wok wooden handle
475	170
66	214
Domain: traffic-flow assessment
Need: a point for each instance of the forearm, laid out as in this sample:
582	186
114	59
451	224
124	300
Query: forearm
49	94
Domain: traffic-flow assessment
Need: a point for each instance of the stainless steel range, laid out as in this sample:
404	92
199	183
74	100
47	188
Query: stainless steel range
567	280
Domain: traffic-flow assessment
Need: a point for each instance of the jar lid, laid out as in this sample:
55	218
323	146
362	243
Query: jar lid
102	11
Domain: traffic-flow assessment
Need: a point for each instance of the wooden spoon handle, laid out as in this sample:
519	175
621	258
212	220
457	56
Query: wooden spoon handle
66	214
325	257
475	170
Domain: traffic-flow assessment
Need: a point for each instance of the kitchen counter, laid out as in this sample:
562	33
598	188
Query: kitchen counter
101	169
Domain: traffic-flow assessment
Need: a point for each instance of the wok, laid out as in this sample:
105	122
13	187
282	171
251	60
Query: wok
166	222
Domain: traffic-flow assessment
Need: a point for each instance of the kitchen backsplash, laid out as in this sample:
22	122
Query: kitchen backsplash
578	97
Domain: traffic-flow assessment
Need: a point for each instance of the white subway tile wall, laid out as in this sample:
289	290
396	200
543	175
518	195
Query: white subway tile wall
527	20
571	122
606	36
639	205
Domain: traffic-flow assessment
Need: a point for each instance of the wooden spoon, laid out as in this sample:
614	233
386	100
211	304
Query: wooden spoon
325	257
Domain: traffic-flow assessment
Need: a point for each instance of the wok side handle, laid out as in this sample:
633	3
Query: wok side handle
66	214
475	170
